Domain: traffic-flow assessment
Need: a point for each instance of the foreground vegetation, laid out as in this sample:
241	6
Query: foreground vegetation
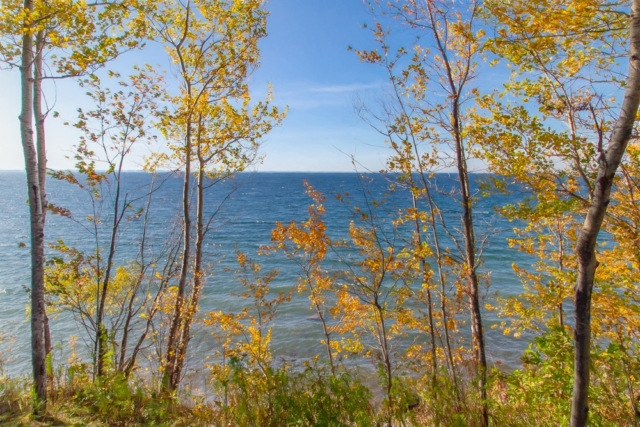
309	395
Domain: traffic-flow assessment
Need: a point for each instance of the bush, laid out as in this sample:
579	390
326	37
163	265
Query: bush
284	397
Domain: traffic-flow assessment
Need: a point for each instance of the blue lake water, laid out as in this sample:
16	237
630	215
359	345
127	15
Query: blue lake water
253	203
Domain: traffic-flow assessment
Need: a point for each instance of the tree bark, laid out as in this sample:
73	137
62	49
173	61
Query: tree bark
36	216
192	303
39	120
477	331
455	91
41	149
101	330
585	247
170	381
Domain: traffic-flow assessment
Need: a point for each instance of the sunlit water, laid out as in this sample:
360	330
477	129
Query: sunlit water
244	222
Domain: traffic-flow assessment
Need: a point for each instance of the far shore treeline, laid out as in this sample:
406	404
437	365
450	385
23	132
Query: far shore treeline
540	97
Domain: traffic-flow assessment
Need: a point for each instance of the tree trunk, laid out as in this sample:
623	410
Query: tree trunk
477	330
36	215
424	268
455	91
327	333
124	342
585	247
441	279
39	120
41	149
101	331
170	381
192	303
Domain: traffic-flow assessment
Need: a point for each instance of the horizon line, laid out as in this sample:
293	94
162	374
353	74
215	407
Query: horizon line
266	171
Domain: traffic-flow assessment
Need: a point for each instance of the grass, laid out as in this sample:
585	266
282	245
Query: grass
309	396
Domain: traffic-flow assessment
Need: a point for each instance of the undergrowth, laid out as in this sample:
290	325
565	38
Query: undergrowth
308	395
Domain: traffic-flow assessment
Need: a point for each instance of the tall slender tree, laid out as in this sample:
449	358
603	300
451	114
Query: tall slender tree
564	63
82	36
214	47
444	62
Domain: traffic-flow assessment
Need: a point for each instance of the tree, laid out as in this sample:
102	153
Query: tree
307	244
245	363
82	35
444	62
563	56
122	120
214	47
371	301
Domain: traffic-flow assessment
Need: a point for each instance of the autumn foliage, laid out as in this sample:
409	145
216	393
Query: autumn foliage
400	294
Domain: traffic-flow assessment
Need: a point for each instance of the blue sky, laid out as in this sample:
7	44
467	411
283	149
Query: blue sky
306	59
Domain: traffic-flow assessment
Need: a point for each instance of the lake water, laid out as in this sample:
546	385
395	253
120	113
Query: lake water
253	203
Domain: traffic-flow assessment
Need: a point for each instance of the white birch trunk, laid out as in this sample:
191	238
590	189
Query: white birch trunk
36	216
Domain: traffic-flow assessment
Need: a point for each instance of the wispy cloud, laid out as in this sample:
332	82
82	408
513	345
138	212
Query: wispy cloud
342	88
312	95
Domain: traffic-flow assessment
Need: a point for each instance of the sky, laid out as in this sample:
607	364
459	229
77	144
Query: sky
305	58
